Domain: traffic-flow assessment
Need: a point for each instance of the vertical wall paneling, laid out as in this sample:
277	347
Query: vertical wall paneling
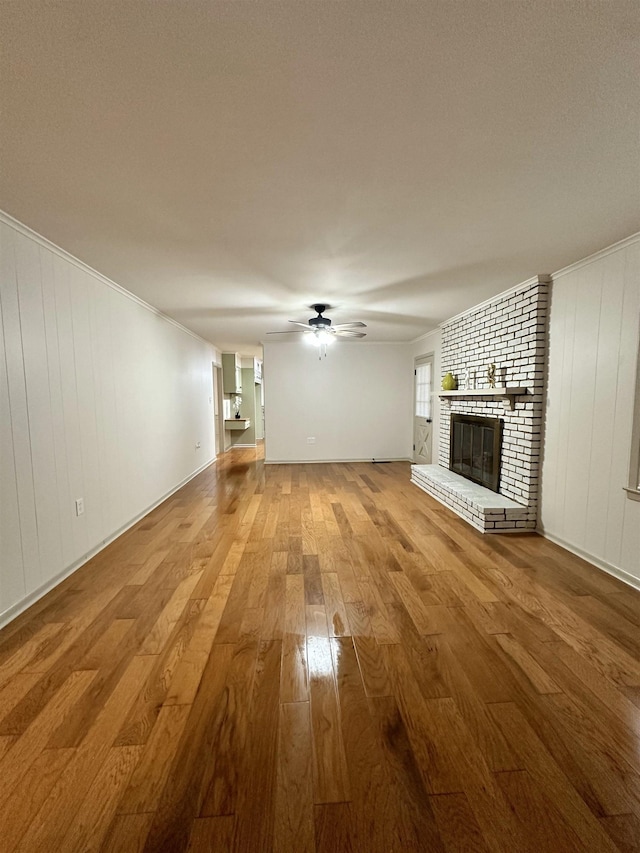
38	399
593	331
20	420
584	342
113	407
562	395
102	398
69	394
102	379
620	525
602	451
12	583
63	494
80	293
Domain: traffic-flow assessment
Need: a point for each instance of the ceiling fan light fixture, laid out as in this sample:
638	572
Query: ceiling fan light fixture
323	336
319	331
320	338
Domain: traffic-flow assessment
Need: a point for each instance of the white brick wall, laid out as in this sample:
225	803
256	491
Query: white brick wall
511	332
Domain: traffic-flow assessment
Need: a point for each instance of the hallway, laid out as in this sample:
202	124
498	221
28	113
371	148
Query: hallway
321	658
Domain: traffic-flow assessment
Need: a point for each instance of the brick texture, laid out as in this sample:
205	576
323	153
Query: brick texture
511	332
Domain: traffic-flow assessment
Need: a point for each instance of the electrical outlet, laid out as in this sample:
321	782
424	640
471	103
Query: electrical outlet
80	506
311	439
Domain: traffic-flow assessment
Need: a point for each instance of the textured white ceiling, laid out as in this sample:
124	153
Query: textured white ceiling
232	163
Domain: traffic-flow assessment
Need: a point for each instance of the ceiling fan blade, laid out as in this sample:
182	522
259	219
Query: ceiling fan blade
289	332
345	333
356	325
304	325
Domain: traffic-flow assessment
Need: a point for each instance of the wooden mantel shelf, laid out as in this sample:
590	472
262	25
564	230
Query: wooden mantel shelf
504	393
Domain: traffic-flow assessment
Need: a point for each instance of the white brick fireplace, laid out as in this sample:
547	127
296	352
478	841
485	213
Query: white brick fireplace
509	331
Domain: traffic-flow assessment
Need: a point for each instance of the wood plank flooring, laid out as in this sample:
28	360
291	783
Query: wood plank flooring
321	658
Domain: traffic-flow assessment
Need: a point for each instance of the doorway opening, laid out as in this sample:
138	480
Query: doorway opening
218	409
423	410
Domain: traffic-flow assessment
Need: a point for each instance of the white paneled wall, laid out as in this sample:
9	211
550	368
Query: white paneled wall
101	398
593	345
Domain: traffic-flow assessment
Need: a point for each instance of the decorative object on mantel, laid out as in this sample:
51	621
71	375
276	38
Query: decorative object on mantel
491	375
238	403
449	382
473	380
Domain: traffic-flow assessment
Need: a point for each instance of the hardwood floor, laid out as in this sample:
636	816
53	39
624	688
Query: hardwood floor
321	658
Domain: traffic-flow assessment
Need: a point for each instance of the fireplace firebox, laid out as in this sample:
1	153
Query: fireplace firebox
474	449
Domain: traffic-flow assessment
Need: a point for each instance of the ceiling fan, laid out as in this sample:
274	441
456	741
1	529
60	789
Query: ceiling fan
320	331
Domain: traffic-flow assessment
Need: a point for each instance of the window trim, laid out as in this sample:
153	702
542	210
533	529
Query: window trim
419	362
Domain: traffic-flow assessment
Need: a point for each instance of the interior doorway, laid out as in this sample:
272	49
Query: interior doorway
423	410
218	409
259	412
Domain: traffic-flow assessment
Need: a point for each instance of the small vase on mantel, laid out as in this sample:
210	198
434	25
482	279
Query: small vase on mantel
449	382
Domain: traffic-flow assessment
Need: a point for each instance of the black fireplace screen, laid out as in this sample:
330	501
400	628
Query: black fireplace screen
474	449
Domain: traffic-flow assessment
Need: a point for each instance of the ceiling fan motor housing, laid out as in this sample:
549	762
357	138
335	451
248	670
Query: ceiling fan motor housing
319	321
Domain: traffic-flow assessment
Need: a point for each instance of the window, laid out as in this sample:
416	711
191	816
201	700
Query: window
423	390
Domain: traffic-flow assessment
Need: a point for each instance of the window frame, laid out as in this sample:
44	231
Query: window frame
421	361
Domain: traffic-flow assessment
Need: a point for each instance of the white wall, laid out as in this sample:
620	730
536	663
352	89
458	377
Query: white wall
431	344
356	402
593	345
100	398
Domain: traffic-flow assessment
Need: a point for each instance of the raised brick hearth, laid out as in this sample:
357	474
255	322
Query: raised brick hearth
487	511
509	331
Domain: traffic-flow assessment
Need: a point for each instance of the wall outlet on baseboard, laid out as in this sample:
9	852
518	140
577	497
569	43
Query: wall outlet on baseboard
79	506
311	439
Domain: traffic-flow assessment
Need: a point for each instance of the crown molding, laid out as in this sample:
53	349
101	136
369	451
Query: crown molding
542	278
602	253
23	229
345	341
424	335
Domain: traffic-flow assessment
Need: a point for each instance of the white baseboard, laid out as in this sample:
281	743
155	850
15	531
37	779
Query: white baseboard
609	568
20	606
331	461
